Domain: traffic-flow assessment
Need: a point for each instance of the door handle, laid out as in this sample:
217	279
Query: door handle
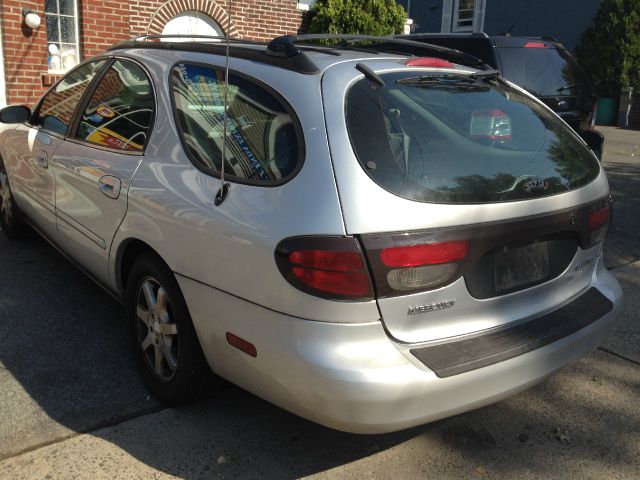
110	186
41	160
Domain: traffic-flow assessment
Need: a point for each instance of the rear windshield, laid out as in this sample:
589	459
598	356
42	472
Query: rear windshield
544	71
457	139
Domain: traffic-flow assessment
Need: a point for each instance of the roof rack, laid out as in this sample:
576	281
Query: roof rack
289	51
440	34
245	49
286	47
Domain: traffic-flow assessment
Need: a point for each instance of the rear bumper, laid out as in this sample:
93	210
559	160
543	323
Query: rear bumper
353	377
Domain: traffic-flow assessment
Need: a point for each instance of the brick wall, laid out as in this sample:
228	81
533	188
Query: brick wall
25	52
264	19
105	22
102	23
251	19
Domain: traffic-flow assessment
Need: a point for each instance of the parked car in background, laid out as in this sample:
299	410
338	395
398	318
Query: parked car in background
542	66
397	239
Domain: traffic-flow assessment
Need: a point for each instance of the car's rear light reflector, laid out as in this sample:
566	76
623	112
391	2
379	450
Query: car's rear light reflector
425	254
328	267
242	345
536	45
599	218
429	62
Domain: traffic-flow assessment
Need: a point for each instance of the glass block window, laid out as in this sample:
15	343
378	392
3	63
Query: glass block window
62	34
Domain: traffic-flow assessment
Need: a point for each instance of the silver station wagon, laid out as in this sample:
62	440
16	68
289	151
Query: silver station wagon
397	237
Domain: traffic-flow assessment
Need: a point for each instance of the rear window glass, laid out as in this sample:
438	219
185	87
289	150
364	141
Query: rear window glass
262	142
544	71
453	139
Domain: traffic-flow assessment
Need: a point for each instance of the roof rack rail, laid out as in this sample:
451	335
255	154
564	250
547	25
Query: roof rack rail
409	36
239	48
286	45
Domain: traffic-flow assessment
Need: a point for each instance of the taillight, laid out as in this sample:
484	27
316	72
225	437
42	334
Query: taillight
328	267
412	263
599	218
428	62
426	254
599	221
536	45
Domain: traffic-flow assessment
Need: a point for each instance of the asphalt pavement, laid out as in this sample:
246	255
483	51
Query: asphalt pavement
72	406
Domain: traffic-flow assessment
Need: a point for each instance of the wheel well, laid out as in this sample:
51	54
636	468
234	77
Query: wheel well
129	253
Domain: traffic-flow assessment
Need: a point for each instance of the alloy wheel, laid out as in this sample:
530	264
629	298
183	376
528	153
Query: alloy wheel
157	332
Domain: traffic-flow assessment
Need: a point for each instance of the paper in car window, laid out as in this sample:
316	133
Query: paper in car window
206	89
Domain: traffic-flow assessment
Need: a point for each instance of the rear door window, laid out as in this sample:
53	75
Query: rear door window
263	140
120	110
447	138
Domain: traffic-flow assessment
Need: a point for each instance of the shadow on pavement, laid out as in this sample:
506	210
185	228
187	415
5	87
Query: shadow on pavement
67	368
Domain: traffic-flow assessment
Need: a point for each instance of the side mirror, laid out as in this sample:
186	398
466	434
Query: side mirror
15	114
594	140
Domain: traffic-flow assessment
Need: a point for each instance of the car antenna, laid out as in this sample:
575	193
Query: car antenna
508	32
224	187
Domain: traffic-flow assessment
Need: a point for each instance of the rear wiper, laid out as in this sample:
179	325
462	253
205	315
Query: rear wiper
569	87
472	78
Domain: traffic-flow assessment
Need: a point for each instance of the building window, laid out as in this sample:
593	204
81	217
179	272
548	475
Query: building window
192	23
62	34
305	4
463	15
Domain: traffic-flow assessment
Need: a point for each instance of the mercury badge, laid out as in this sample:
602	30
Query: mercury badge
431	307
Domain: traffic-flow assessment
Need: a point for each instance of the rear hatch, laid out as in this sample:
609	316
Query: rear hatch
475	206
551	73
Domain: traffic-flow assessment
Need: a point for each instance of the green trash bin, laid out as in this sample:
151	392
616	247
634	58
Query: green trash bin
607	113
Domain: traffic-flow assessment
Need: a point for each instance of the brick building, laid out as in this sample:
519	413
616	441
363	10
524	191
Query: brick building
31	59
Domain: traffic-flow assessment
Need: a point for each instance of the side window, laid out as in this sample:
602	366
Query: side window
120	110
58	105
262	140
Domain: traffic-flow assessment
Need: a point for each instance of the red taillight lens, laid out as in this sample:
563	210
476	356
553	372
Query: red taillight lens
429	62
427	254
599	218
324	260
536	45
328	267
348	284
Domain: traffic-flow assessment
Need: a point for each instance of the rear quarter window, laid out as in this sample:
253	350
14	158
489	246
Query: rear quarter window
450	139
263	141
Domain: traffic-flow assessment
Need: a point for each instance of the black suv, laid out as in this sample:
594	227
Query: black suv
541	65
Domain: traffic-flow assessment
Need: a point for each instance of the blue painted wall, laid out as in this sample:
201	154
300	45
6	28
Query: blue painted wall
563	19
426	14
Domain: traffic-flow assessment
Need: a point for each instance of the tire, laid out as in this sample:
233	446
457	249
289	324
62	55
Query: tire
10	215
167	350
